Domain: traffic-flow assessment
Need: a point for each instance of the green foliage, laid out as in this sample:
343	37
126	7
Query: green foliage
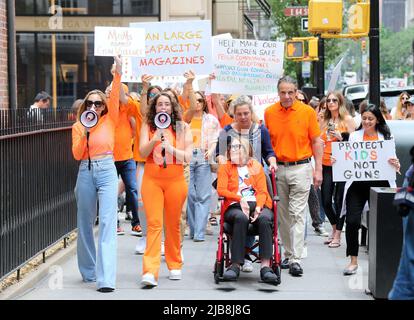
396	56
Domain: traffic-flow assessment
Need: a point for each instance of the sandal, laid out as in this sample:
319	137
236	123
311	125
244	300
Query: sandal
213	221
335	244
329	240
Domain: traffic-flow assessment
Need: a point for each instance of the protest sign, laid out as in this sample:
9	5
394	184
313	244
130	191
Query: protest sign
261	102
363	160
246	66
172	48
112	41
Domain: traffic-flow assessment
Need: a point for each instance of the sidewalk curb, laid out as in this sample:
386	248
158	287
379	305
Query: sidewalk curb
41	272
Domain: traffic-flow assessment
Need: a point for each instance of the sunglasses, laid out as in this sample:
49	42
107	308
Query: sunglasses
45	100
301	100
332	100
97	104
151	95
404	98
200	100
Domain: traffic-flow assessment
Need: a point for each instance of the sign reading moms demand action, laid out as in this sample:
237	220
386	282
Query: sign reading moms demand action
246	66
363	160
111	41
172	48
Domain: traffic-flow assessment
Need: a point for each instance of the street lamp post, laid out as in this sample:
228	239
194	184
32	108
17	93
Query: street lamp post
374	55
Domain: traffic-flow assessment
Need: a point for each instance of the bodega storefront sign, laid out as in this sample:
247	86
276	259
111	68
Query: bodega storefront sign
74	24
363	160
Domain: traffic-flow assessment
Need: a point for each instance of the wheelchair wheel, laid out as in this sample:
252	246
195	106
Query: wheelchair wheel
218	271
276	269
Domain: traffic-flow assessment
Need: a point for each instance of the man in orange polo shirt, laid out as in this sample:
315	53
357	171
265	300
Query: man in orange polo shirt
295	137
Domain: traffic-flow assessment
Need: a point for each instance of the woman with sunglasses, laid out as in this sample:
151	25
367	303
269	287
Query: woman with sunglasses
163	187
205	129
242	182
356	194
97	180
337	126
398	112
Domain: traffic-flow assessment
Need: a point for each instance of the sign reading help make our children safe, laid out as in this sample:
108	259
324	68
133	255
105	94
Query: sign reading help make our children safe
172	48
363	160
246	66
111	41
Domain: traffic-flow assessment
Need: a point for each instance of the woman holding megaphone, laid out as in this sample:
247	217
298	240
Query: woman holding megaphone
165	142
93	144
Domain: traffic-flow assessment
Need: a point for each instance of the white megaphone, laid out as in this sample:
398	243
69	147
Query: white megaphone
162	120
89	118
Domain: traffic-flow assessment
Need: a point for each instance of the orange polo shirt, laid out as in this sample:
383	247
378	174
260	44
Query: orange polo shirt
102	136
228	183
292	130
327	146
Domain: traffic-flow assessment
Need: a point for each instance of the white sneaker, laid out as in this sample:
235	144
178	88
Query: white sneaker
162	249
175	274
140	247
148	279
247	266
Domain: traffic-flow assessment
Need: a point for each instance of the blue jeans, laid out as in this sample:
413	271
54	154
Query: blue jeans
99	183
128	171
403	288
199	195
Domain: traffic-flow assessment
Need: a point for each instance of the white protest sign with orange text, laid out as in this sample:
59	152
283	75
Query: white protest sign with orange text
112	41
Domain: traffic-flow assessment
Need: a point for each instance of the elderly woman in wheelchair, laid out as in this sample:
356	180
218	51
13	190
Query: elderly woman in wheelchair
242	183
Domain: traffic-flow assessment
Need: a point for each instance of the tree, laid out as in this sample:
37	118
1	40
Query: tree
289	27
396	55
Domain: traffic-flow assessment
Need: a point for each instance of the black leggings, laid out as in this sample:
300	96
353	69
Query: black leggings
356	197
240	223
314	207
331	189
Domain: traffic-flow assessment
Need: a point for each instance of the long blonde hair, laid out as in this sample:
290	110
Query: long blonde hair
343	111
82	107
398	114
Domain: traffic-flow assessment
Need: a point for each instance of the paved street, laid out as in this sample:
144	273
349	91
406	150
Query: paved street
322	278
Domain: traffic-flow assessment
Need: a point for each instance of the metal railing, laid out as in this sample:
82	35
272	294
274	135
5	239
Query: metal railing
38	175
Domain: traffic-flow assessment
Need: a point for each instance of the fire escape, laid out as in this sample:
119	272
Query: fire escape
256	19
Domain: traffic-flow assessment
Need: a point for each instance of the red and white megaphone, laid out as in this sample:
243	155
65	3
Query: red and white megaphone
89	119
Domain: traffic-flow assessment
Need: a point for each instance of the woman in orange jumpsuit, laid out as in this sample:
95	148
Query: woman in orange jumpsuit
164	189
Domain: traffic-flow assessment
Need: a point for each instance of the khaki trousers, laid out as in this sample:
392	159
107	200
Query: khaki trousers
293	185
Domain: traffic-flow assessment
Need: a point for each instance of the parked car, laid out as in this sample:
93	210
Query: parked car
355	92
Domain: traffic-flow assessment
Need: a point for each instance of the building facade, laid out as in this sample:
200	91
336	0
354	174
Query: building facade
4	85
55	41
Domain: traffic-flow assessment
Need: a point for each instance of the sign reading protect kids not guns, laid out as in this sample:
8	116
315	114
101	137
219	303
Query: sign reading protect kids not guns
363	160
172	48
246	66
111	41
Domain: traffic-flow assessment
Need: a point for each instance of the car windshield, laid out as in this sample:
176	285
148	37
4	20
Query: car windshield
355	90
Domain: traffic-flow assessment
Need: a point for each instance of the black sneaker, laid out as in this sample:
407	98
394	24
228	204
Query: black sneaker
232	273
295	269
268	276
285	264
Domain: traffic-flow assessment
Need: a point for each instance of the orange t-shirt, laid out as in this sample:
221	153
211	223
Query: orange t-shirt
195	125
292	130
327	146
226	120
102	136
370	138
228	183
135	111
123	133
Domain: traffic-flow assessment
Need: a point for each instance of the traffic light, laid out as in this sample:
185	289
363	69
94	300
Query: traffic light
313	48
325	16
358	18
294	49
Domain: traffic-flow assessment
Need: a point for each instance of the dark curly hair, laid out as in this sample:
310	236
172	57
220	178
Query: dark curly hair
381	126
176	116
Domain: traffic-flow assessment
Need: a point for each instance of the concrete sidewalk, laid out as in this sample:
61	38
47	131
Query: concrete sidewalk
322	277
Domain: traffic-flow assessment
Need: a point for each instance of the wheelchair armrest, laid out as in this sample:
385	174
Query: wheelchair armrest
221	198
276	198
